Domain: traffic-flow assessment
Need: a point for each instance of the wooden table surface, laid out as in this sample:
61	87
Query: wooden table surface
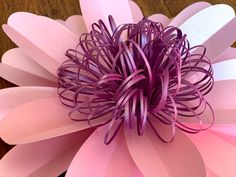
61	9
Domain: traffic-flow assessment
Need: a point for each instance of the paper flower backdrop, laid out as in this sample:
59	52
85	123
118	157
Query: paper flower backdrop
49	141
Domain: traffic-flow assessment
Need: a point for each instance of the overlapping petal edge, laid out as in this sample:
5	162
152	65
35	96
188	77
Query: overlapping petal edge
33	117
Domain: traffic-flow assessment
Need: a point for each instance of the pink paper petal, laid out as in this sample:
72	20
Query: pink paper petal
105	160
225	70
219	21
136	11
157	159
226	132
137	173
39	120
15	96
95	10
76	24
227	37
221	96
210	173
217	153
225	129
223	102
222	116
23	78
164	20
41	38
62	22
188	12
149	162
228	53
45	158
18	59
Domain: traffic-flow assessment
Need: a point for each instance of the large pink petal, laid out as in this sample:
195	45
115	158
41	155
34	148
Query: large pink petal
225	129
15	96
164	20
157	159
45	158
222	95
210	173
76	24
95	10
23	78
225	70
227	37
222	100
222	116
95	159
219	28
226	132
205	23
62	22
38	120
18	59
41	38
218	154
136	11
228	53
188	12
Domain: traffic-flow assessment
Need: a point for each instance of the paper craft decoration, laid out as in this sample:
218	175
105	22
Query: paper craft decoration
112	94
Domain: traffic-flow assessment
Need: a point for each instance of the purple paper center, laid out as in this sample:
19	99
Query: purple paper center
138	76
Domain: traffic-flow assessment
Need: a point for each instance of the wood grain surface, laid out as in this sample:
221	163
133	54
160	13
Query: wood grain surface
61	9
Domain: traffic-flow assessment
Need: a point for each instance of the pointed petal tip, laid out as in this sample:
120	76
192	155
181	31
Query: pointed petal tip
76	24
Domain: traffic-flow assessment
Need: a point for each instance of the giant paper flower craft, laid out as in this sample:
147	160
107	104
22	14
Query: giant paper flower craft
111	93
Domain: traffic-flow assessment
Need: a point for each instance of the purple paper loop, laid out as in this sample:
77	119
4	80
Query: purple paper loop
140	80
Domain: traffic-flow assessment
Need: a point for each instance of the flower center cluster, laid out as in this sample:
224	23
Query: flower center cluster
136	75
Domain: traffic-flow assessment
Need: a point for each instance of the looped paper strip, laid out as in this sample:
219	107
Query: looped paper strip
136	71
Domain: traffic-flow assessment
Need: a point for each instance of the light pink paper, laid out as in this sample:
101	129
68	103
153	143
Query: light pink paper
39	120
45	158
15	96
32	114
41	38
136	11
206	23
221	96
18	59
76	24
188	12
225	70
95	10
228	53
155	158
97	159
217	153
164	20
23	78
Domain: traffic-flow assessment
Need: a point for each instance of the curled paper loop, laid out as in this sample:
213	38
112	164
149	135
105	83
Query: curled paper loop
136	74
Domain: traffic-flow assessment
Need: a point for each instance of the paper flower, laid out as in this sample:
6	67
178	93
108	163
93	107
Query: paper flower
47	138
